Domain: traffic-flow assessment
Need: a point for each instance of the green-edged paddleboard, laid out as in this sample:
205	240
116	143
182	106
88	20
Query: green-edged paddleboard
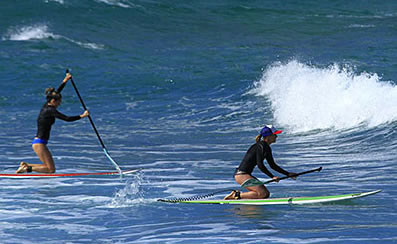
282	201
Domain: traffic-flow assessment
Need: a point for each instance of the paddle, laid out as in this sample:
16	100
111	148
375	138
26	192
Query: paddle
93	126
258	183
225	190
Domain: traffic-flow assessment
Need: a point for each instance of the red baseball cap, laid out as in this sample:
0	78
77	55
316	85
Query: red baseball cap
270	130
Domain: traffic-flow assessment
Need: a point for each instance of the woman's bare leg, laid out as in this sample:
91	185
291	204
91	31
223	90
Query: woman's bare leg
254	192
45	156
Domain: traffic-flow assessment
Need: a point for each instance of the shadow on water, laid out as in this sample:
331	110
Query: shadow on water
257	212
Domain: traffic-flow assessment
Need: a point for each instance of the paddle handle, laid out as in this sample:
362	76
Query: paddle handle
295	175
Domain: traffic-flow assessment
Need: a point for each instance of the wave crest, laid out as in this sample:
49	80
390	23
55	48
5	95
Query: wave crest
304	97
26	33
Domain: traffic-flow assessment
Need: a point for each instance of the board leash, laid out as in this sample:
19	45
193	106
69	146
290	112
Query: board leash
199	197
194	198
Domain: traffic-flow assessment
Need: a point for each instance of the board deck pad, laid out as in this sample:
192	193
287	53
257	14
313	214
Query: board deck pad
42	175
280	201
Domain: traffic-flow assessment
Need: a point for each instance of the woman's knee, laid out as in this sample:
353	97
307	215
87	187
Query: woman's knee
263	194
49	163
51	169
45	156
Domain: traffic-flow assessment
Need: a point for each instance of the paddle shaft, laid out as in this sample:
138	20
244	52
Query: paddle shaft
93	126
89	116
295	175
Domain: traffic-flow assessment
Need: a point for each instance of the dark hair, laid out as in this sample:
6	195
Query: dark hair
258	138
52	94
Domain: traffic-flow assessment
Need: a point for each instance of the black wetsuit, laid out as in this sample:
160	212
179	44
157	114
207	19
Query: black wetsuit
47	118
255	155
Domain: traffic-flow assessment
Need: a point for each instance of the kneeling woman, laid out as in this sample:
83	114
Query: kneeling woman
46	119
255	155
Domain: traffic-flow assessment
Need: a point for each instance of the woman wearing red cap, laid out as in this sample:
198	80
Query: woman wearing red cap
255	155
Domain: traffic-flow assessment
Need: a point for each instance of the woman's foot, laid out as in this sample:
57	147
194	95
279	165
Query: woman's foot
234	195
23	168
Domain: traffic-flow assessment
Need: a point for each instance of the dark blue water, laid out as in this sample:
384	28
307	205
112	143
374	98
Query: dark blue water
180	90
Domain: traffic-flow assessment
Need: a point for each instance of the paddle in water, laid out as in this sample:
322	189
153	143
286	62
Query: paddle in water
93	126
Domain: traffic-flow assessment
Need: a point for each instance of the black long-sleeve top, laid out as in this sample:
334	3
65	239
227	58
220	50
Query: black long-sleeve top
255	155
47	117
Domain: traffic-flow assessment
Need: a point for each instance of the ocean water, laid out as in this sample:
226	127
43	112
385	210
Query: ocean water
179	90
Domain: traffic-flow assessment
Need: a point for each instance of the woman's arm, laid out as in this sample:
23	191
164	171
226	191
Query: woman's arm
61	116
63	84
259	160
273	165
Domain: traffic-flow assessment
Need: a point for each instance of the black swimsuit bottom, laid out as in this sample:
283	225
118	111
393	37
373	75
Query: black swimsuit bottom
240	172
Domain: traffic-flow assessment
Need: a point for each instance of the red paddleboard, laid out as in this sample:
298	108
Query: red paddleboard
43	175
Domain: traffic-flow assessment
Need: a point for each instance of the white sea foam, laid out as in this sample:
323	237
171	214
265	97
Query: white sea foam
41	31
304	97
119	3
32	32
86	44
361	26
57	1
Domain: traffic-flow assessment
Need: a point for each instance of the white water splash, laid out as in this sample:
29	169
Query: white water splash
131	194
304	97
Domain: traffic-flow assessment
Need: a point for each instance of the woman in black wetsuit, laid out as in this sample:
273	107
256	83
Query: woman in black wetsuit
255	156
46	119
